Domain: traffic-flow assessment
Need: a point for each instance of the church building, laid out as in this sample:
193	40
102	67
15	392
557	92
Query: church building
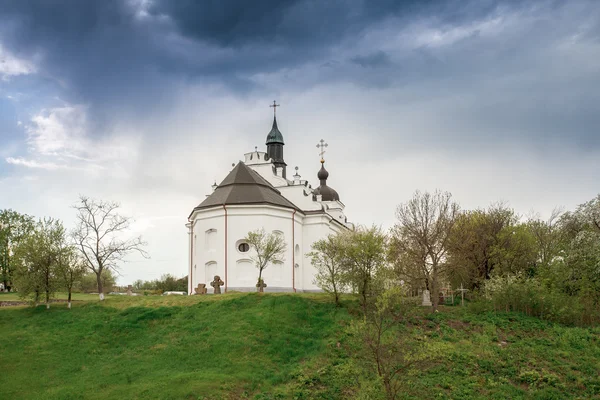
257	194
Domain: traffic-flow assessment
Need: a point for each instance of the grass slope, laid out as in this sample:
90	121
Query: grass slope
276	346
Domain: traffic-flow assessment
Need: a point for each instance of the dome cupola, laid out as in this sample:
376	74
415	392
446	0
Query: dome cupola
327	193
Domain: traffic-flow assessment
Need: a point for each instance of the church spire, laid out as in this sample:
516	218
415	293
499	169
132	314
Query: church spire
275	142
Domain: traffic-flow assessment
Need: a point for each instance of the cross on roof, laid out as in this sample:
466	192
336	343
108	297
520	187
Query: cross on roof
322	146
274	105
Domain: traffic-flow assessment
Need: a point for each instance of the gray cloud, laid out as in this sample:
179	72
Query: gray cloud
148	105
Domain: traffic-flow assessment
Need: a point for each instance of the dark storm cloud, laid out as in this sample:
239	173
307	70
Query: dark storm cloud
118	52
373	60
121	56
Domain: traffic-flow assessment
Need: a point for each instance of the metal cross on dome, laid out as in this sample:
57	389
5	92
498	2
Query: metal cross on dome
322	146
274	105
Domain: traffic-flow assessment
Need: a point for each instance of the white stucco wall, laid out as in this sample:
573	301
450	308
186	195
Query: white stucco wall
209	247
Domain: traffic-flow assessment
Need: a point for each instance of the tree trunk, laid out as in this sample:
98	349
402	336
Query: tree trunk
69	299
434	293
100	288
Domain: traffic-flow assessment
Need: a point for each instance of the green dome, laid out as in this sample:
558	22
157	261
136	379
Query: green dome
274	136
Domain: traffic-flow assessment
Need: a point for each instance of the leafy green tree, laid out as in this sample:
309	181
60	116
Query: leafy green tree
422	234
70	269
385	348
170	282
516	251
474	238
267	248
547	236
363	261
89	283
39	258
327	257
14	229
589	214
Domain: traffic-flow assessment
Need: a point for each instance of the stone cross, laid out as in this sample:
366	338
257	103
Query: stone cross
426	298
462	294
201	289
261	285
129	290
217	283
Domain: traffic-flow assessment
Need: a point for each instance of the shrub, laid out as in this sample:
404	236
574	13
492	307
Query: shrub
528	295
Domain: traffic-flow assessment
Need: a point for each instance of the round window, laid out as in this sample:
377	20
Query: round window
243	247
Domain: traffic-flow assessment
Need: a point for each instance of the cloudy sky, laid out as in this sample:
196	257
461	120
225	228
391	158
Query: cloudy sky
147	102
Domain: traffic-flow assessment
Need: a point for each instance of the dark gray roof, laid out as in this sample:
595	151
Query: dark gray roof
275	135
327	193
243	185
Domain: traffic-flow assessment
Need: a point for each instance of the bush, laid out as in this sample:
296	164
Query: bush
528	295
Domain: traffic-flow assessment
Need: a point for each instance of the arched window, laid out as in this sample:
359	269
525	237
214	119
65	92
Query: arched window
210	242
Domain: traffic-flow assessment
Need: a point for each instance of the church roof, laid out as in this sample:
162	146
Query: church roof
275	135
243	185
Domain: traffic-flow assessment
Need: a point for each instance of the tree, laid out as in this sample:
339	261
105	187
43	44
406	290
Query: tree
39	258
473	240
547	235
589	213
385	347
422	234
14	229
98	236
89	282
363	261
327	256
267	249
516	251
70	269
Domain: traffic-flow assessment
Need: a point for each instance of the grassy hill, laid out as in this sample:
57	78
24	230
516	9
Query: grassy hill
276	346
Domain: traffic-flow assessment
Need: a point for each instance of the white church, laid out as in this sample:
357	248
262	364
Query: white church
256	194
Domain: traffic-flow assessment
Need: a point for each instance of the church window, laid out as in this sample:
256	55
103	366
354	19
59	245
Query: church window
210	239
243	247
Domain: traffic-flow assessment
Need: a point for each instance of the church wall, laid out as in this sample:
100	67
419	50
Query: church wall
266	171
243	219
208	256
208	253
316	227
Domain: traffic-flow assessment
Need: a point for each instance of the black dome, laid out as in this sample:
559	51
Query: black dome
323	174
327	193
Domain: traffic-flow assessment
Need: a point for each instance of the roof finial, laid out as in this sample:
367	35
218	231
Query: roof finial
322	146
274	105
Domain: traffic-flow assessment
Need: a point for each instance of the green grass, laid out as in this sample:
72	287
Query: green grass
276	346
12	296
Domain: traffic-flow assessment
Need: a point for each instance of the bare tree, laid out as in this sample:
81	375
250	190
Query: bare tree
422	232
267	248
99	236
